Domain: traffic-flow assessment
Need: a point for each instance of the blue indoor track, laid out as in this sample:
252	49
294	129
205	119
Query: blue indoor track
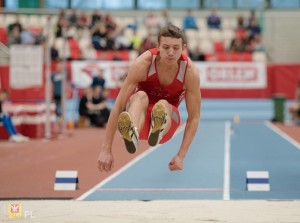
217	161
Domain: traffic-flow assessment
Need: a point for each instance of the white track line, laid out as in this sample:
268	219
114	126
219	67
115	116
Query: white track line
283	135
131	163
160	189
226	192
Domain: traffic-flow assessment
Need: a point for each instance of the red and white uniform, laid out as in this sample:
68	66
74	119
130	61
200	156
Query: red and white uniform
173	93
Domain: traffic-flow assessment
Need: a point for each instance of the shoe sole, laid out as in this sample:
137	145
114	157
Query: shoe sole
158	113
124	126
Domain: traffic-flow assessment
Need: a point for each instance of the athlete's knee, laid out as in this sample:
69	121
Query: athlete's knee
141	96
165	102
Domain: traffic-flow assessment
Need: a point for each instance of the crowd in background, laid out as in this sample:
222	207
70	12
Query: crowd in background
104	32
248	35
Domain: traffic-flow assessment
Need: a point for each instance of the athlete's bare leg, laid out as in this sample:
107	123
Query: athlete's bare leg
132	121
138	106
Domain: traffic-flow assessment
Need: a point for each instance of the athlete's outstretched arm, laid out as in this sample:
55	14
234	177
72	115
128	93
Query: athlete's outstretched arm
193	103
136	73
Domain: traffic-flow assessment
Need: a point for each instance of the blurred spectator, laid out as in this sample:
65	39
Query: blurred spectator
110	41
6	120
134	25
57	78
165	19
152	23
14	37
73	18
83	20
238	44
255	44
252	16
15	26
135	40
93	106
54	53
294	108
14	32
27	37
95	18
86	99
258	45
213	20
148	42
99	34
196	54
189	21
98	78
62	14
110	23
39	38
121	41
253	28
61	25
240	22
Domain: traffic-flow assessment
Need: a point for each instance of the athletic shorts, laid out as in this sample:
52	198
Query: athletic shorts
175	122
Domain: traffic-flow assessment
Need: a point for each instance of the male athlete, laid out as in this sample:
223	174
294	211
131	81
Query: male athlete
156	83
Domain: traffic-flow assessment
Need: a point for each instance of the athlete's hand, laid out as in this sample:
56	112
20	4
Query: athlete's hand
176	163
105	161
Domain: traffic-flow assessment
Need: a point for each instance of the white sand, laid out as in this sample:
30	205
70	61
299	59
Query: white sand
182	211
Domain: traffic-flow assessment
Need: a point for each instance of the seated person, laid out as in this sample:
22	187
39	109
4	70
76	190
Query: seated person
254	28
98	78
213	20
196	54
5	119
189	21
238	44
294	109
93	106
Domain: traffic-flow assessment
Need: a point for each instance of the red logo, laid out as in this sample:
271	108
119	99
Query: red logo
14	208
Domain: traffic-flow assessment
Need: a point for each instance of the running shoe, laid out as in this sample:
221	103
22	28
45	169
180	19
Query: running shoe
158	119
128	131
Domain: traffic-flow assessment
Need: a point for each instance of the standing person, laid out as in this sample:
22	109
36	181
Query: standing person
56	79
157	82
9	127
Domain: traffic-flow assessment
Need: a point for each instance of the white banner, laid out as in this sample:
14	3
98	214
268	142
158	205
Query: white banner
114	72
26	66
223	75
229	75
